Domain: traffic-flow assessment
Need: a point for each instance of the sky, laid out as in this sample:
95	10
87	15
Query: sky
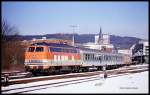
115	18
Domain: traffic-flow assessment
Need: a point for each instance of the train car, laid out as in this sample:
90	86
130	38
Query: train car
97	59
54	57
127	59
44	57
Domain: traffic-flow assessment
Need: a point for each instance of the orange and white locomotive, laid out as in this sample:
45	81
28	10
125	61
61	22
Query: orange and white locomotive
44	57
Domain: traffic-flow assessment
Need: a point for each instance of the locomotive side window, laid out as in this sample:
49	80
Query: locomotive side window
31	49
55	49
39	49
70	50
65	50
62	50
74	51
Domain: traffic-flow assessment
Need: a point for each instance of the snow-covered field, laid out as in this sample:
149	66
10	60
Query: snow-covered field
131	83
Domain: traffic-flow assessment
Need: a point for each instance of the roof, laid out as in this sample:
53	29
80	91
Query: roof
53	44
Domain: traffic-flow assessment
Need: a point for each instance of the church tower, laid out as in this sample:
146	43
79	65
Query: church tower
100	40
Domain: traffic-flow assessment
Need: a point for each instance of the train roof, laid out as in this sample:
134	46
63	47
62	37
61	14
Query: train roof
87	49
69	46
96	50
53	44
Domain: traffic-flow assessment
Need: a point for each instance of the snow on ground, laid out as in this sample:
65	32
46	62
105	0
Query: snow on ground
41	83
131	83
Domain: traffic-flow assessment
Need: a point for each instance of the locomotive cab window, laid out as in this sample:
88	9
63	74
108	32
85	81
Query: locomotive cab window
31	49
39	49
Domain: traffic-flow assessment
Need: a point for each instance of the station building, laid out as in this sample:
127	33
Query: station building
140	52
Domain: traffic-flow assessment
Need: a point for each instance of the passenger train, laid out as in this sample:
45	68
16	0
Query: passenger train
56	57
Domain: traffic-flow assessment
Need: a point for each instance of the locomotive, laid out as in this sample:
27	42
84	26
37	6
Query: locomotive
56	57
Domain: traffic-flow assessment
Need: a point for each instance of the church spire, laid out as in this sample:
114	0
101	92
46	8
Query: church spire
100	36
100	33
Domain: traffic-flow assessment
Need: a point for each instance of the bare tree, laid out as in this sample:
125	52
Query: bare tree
8	30
12	50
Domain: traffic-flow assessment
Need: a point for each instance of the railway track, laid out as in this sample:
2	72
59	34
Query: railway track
71	75
73	81
16	75
19	74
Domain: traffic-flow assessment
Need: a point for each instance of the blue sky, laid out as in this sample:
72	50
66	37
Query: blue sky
115	18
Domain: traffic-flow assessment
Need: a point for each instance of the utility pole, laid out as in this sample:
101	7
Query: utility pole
73	27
